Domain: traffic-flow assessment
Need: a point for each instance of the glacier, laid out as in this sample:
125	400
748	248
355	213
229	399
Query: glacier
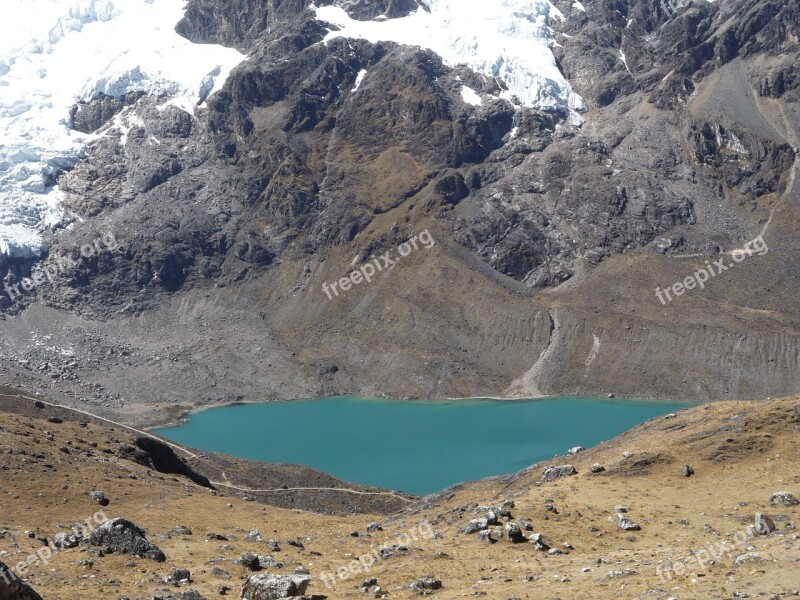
54	53
506	39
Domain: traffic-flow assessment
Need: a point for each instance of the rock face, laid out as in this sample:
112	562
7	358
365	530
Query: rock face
12	588
315	153
157	455
274	587
120	535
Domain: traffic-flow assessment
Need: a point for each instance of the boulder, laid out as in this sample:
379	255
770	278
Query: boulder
177	577
485	536
12	588
120	535
426	584
597	468
249	561
764	524
537	540
626	524
99	497
476	525
274	587
514	533
784	499
576	449
556	472
687	471
747	557
65	539
187	595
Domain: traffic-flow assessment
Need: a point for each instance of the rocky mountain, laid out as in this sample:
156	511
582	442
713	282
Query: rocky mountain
567	159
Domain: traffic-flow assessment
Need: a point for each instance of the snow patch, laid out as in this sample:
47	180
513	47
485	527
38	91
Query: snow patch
359	79
507	39
54	53
469	96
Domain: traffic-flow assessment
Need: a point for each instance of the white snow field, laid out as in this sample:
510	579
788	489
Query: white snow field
507	39
54	53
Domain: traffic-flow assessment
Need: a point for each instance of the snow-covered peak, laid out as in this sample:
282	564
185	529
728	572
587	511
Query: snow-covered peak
54	53
507	39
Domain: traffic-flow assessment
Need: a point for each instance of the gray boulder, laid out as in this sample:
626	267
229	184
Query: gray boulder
177	577
687	471
426	585
249	561
553	473
65	539
514	533
764	524
120	535
626	524
99	497
784	499
274	587
476	525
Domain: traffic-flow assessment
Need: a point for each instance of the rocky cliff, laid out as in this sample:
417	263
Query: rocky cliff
553	224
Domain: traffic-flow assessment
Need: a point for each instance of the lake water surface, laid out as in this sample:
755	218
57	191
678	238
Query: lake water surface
415	447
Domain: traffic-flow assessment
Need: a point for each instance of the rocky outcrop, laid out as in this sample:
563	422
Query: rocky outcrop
155	454
122	536
13	588
274	587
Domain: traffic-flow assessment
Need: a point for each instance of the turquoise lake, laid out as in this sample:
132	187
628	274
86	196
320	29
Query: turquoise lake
415	447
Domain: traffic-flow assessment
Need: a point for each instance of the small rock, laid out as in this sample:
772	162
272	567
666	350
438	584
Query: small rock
625	524
514	533
252	536
99	497
177	577
180	529
747	557
764	524
426	585
687	471
621	573
67	540
485	536
576	449
597	468
475	525
784	499
374	527
249	561
368	583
